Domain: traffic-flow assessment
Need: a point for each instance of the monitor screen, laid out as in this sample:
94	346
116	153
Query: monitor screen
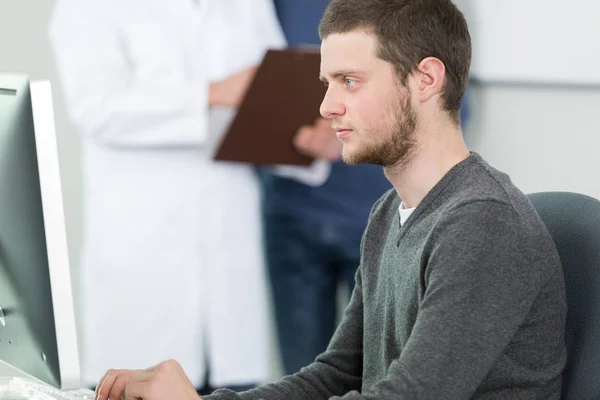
37	322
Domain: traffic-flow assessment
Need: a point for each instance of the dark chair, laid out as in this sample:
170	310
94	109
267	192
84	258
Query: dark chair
573	220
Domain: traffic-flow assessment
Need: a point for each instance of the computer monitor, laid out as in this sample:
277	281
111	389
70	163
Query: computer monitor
37	320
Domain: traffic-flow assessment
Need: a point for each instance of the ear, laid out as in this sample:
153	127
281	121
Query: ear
431	75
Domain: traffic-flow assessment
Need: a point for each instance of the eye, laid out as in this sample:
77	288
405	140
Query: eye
349	83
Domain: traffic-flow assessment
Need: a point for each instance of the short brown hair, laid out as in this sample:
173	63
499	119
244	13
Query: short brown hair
409	31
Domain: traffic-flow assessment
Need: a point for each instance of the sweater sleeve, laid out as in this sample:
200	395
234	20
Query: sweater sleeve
335	372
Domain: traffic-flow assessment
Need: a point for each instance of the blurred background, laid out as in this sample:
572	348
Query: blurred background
534	95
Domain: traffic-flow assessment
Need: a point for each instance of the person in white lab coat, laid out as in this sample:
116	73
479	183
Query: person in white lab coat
172	238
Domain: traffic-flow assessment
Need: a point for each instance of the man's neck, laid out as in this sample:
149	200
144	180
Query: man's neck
435	155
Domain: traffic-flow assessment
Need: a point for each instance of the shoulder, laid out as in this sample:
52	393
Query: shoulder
496	237
385	206
487	196
86	14
487	214
382	215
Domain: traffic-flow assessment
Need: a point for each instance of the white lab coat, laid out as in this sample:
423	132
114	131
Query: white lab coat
172	263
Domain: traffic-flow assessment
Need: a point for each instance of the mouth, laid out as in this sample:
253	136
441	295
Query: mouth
342	133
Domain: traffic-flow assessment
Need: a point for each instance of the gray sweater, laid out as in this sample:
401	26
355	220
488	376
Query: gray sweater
464	301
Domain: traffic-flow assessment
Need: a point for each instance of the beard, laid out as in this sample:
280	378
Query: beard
396	152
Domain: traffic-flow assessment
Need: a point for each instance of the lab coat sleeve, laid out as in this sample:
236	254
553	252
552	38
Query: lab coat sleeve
267	24
104	99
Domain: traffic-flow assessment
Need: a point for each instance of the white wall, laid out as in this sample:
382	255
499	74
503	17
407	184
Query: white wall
544	41
545	138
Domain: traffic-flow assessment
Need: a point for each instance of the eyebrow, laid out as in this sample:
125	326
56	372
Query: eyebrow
340	74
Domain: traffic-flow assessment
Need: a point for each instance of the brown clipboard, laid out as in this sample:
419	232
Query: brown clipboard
284	95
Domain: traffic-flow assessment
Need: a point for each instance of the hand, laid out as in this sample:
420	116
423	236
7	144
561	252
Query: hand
231	90
164	381
319	141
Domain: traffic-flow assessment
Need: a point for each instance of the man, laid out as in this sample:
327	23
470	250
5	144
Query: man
460	293
313	232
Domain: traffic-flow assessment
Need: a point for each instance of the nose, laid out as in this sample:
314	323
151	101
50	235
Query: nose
331	106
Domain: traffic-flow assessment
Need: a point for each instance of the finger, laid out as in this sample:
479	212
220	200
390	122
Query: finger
306	147
99	385
106	384
103	377
304	136
303	130
248	75
118	387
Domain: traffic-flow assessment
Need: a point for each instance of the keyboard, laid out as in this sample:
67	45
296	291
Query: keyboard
27	389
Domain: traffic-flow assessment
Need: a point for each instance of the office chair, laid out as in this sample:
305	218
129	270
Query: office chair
573	220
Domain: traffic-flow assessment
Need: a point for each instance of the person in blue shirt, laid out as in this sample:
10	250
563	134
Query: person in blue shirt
313	233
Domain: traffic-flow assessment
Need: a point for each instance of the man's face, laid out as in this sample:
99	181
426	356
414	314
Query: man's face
370	111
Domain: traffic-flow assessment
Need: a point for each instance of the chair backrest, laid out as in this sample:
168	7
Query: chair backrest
573	220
